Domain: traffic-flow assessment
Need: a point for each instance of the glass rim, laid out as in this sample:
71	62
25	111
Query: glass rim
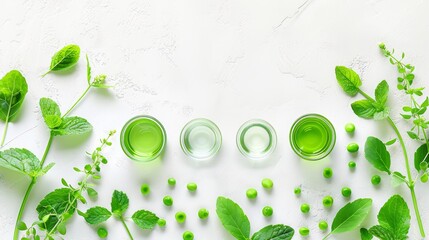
267	127
143	159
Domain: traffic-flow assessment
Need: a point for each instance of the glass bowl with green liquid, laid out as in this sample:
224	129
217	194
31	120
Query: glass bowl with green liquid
143	138
256	139
200	139
312	137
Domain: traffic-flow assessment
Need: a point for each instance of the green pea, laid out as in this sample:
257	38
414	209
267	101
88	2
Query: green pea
167	200
346	192
350	127
145	189
323	225
188	235
353	147
267	183
376	180
102	232
192	187
304	231
267	211
424	178
297	191
203	213
328	201
327	172
171	181
352	164
305	208
180	217
162	222
251	193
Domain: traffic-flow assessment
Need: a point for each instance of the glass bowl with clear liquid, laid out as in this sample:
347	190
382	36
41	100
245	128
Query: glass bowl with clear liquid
312	137
200	139
256	139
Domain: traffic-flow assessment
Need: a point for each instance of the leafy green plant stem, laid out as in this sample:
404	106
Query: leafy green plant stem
78	100
6	125
126	228
30	188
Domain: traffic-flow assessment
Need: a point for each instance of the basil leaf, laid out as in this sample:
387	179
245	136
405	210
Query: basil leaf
390	142
72	126
145	219
119	203
20	160
395	217
51	112
348	79
377	154
365	235
97	215
382	233
233	218
274	232
351	215
65	58
55	204
364	108
381	92
421	155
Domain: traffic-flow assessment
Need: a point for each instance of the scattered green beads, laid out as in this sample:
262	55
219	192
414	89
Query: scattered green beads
346	192
168	201
305	208
203	213
192	187
328	201
171	181
180	217
251	193
352	164
188	235
267	211
267	183
162	222
327	172
145	189
349	127
304	231
376	180
353	147
323	225
102	232
297	191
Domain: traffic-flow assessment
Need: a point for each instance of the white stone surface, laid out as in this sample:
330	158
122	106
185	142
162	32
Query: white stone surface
228	61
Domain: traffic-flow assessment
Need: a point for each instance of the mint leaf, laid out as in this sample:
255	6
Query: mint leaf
421	155
395	217
381	93
65	58
274	232
377	154
119	203
97	215
382	233
145	219
20	160
233	218
72	126
351	215
348	79
13	88
365	235
51	112
364	108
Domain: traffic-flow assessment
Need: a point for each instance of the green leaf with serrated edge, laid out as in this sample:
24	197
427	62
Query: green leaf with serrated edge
351	215
54	204
395	217
20	160
391	142
365	235
421	155
274	232
97	215
382	233
348	79
381	92
398	179
377	154
72	126
233	218
51	112
13	88
364	108
145	219
65	58
119	203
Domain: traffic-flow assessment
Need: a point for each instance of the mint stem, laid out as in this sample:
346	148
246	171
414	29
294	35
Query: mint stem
78	100
4	131
126	228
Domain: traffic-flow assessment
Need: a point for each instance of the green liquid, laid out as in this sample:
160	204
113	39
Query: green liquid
143	138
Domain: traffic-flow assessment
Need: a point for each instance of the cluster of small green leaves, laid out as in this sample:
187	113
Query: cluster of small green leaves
235	221
144	219
394	221
58	206
351	216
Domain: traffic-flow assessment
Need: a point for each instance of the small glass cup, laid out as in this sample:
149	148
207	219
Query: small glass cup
200	139
312	137
256	139
143	138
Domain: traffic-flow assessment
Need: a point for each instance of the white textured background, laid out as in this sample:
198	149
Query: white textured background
226	60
